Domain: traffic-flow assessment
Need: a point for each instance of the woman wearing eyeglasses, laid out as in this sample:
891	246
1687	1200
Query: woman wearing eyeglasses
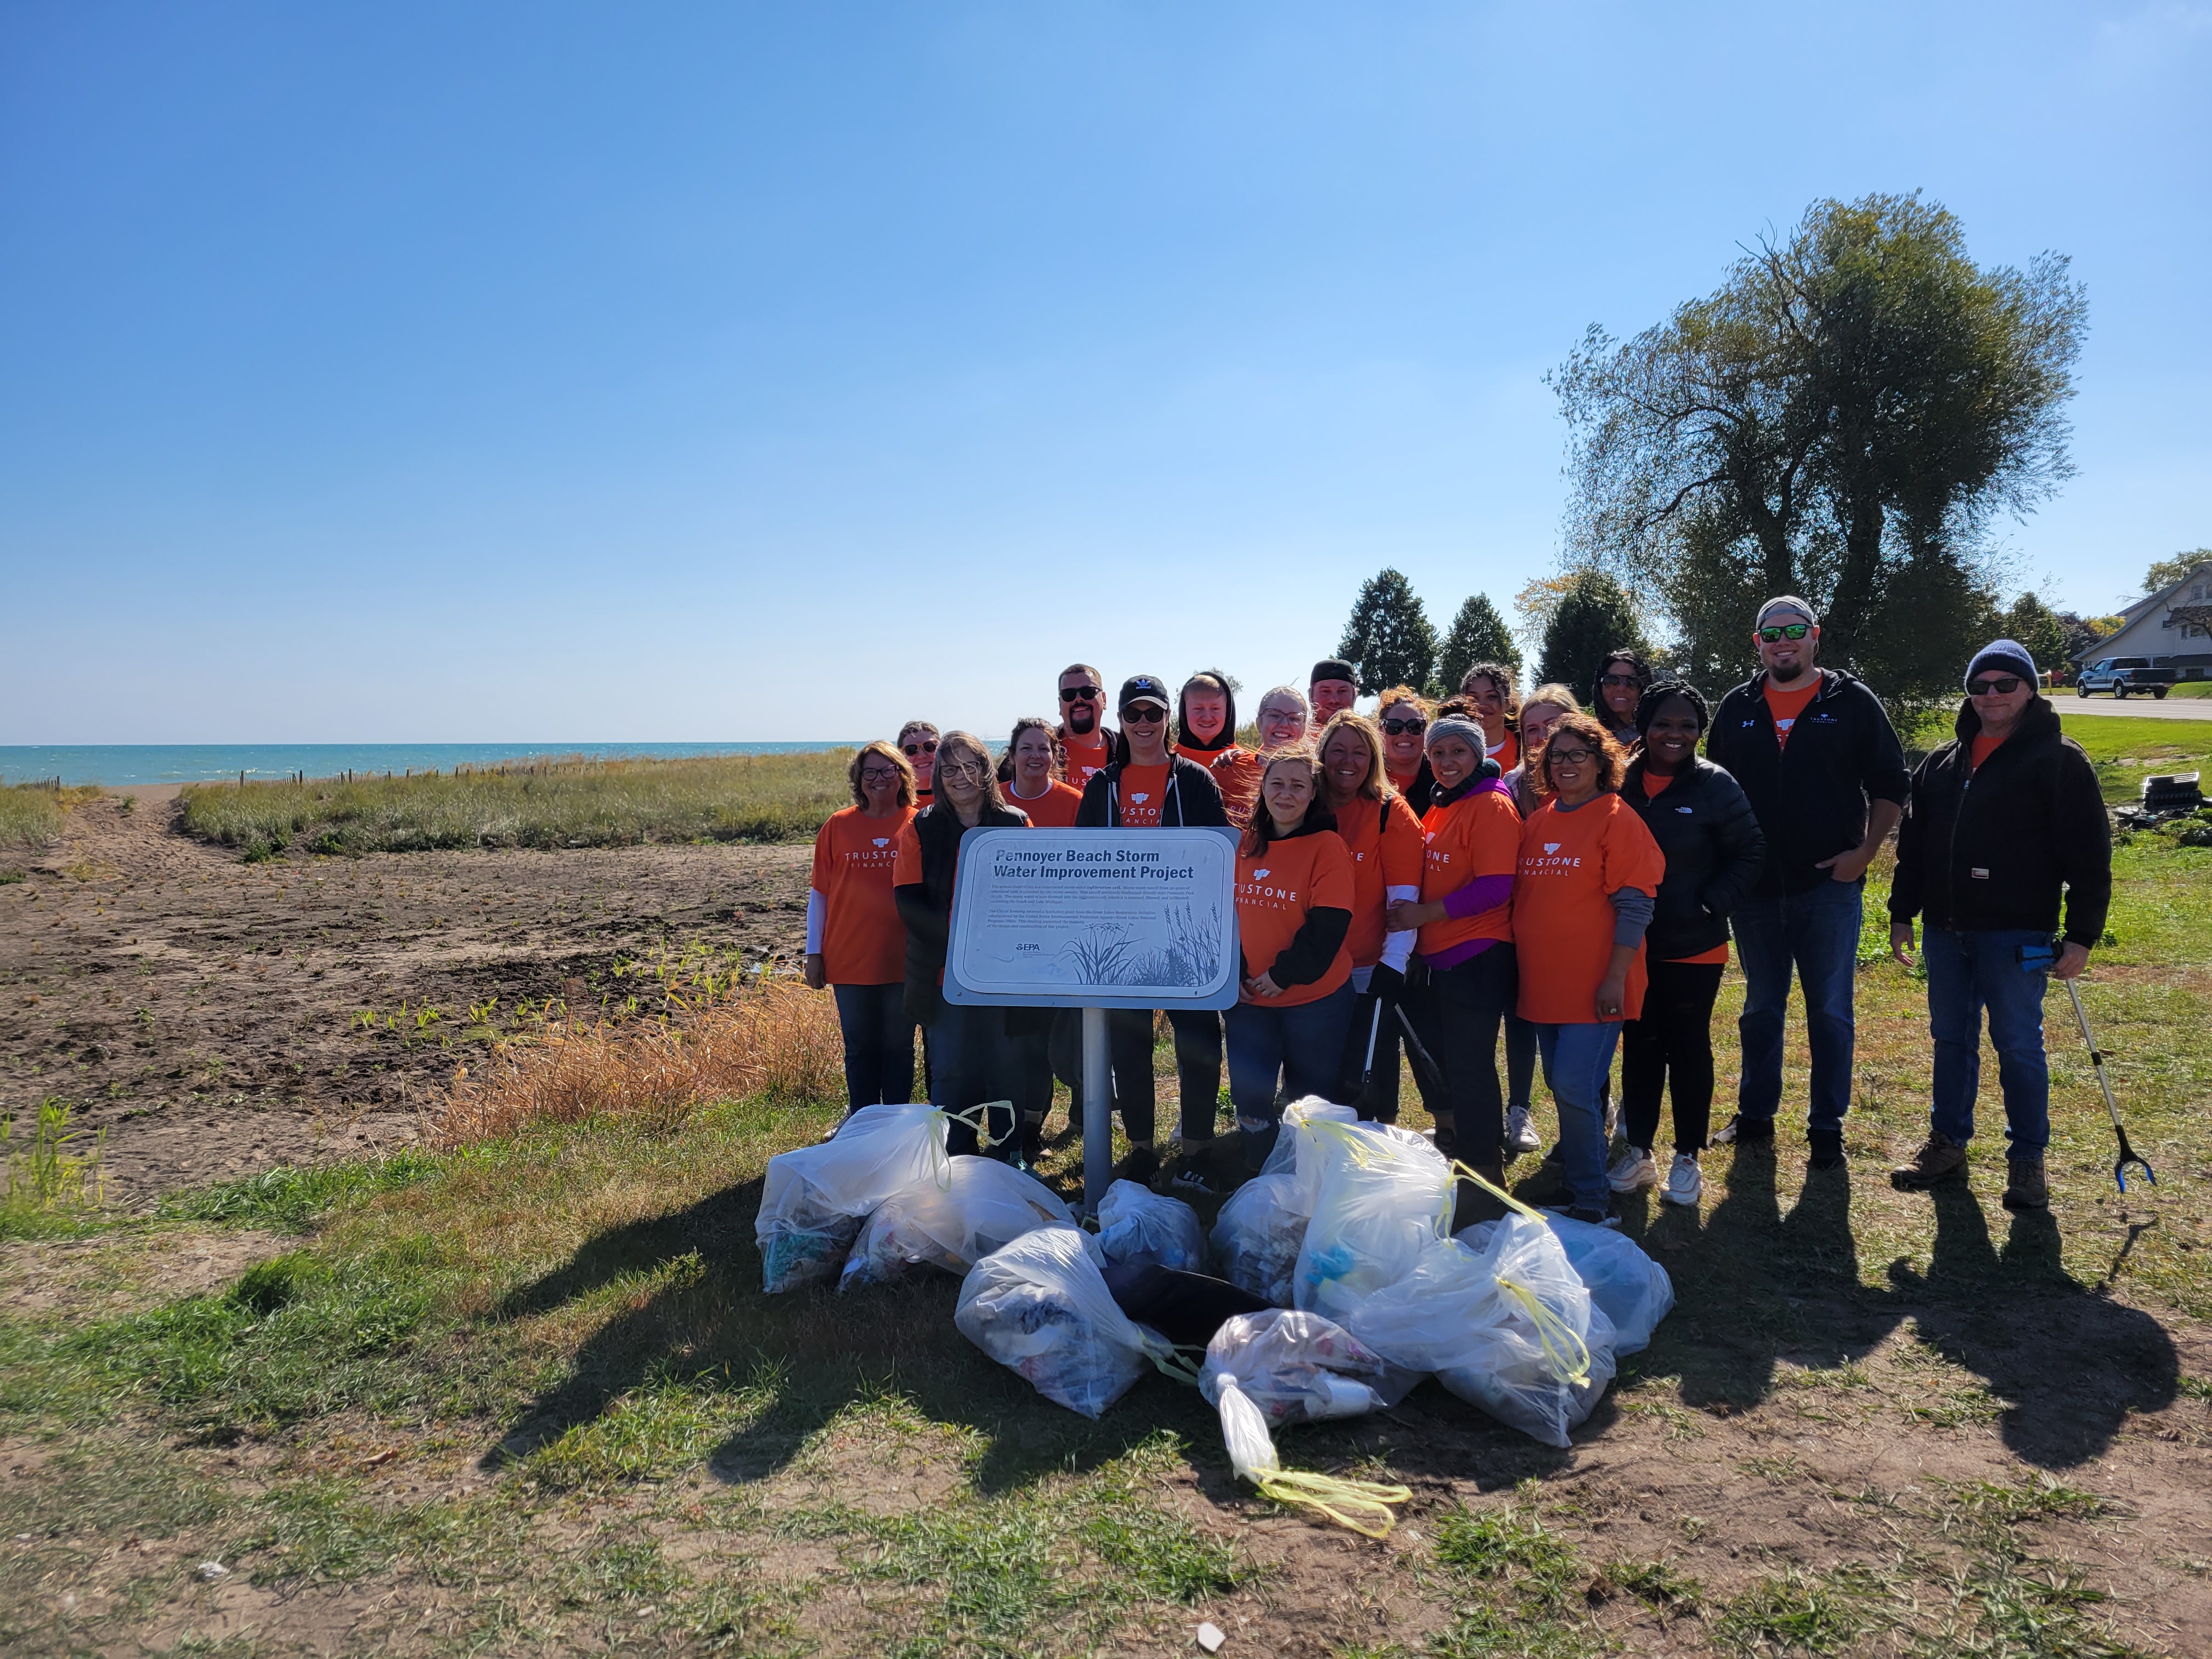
1581	899
917	741
966	1045
1402	717
1386	844
1496	690
1618	687
855	943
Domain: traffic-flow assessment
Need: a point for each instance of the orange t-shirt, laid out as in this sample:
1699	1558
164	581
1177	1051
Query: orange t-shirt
1477	834
1387	847
1655	785
1143	788
1083	756
1563	919
1786	706
862	940
1507	754
1984	746
1053	810
1275	888
1236	775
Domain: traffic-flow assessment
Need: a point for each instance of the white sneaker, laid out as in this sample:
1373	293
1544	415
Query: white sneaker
1520	1134
1686	1183
1632	1169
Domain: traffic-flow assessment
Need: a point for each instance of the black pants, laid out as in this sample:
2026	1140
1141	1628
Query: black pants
1381	1106
1671	1040
879	1044
1198	1070
1129	1059
1464	1008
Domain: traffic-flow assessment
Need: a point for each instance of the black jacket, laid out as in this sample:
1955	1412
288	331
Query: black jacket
1313	948
1811	797
1422	791
1988	850
1194	800
1714	851
926	906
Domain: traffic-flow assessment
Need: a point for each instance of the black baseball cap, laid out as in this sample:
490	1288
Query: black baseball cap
1333	668
1143	688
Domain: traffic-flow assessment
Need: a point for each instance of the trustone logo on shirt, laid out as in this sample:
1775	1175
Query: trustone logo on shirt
1262	874
1551	847
883	841
1281	898
1550	866
1140	800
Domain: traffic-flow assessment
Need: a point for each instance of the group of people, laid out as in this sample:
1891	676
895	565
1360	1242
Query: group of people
1568	879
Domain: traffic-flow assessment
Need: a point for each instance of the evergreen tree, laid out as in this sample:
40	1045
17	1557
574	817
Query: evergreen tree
1389	639
1478	634
2032	624
1594	616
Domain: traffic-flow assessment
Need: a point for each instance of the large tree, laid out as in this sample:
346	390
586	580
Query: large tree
1478	634
1389	639
2033	624
1843	419
2164	573
1594	616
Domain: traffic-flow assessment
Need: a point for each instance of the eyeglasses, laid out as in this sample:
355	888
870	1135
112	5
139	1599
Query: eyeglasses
1786	631
954	771
1630	681
915	751
1402	728
1570	757
1079	693
2003	686
876	775
1143	715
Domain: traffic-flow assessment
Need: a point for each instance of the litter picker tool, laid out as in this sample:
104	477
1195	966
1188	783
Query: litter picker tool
1426	1071
2097	1059
1365	1104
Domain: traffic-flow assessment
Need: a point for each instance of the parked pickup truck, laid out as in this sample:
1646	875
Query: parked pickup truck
2121	675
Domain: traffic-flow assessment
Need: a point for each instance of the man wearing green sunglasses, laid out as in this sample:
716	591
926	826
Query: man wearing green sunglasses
1817	757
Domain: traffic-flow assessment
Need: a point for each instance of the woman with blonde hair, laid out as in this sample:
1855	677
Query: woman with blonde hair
967	1045
1384	839
1402	716
855	943
1538	710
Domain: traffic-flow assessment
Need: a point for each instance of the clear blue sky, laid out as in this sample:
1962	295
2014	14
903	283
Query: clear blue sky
558	373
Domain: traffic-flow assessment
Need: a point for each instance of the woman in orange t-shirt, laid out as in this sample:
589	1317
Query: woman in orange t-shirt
1496	690
1582	898
855	943
1294	903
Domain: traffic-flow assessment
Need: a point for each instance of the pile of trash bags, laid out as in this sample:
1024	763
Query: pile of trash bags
1333	1284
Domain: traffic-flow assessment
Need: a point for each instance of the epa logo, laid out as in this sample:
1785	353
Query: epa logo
1259	875
1551	847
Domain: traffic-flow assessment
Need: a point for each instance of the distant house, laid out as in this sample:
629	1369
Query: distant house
2172	628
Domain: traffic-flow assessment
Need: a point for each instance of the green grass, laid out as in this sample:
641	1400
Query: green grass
2192	689
33	814
572	803
2127	750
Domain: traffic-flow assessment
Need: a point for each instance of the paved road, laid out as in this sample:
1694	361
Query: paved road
2149	708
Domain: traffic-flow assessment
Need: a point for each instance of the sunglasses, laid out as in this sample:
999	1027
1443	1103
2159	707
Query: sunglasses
1402	728
1143	714
959	769
1079	693
1786	631
1627	680
915	750
2002	687
1570	757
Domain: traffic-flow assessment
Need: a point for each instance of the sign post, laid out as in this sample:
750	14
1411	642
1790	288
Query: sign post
1095	920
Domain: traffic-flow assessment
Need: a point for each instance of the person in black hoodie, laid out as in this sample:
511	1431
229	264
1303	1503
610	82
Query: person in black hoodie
968	1045
1816	755
1985	865
1148	786
1698	815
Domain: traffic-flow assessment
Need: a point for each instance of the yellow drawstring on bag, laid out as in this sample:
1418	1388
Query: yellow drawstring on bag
977	1117
1361	1505
1557	1338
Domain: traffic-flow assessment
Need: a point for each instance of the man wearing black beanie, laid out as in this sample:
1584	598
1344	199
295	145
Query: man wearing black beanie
1331	688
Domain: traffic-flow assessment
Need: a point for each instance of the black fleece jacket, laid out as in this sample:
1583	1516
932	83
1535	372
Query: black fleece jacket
1988	849
926	906
1193	799
1313	948
1811	797
1714	851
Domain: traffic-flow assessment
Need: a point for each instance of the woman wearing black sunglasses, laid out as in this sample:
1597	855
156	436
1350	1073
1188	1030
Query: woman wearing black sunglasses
1402	717
917	741
1615	689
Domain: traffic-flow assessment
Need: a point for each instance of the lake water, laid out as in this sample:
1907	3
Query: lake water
191	762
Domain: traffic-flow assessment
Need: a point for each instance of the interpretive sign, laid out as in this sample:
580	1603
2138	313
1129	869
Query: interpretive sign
1095	919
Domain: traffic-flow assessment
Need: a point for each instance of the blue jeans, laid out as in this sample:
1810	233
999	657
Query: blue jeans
1577	1060
1817	931
1968	972
966	1048
1300	1044
879	1044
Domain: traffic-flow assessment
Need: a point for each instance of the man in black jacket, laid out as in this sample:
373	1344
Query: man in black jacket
1985	865
1821	765
1148	786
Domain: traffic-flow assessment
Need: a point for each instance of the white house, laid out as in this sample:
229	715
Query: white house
2172	628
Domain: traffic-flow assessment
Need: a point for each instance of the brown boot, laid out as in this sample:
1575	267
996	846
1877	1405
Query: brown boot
1470	1204
1942	1159
2027	1189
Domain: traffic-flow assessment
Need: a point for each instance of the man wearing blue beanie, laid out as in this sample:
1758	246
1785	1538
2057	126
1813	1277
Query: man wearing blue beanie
1984	868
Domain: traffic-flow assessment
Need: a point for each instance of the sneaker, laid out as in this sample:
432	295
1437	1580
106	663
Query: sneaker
1032	1147
1686	1183
1588	1217
1941	1159
1742	1131
1520	1134
2027	1189
1632	1170
831	1134
1141	1164
1827	1148
1195	1182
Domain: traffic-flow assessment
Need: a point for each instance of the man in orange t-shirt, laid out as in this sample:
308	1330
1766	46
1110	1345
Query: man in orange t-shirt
1087	743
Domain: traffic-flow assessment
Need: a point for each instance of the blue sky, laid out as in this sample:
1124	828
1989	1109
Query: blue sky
559	373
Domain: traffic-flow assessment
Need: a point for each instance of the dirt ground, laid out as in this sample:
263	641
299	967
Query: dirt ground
202	1011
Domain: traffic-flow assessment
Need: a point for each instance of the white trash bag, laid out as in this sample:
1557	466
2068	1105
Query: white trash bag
1384	1196
1137	1226
1266	1370
815	1199
1040	1307
1298	1148
1258	1234
982	1206
1631	1289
